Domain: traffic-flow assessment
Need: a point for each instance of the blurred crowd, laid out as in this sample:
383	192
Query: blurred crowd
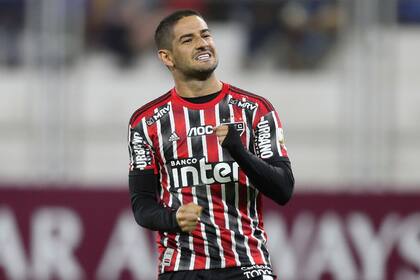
293	34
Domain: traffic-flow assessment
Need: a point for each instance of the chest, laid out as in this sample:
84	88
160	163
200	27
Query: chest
187	133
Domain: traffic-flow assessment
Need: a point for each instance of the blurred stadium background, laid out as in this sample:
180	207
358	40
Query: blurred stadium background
342	75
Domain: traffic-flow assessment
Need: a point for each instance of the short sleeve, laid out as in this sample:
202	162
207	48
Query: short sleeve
269	136
142	156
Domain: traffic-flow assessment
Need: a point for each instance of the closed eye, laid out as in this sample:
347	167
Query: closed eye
186	41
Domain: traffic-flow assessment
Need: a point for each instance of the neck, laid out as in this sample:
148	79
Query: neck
197	88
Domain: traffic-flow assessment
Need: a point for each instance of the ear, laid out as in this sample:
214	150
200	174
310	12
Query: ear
166	57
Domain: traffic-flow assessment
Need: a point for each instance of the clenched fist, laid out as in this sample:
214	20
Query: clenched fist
188	215
221	132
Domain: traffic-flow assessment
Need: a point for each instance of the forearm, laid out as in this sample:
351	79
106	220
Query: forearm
274	179
147	211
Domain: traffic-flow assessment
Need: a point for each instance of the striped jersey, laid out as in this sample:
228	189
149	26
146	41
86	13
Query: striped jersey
175	138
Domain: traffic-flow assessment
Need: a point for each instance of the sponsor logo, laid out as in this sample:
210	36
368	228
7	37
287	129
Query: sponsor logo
194	172
281	136
142	156
240	127
158	115
208	129
167	256
264	140
243	104
174	137
257	270
200	130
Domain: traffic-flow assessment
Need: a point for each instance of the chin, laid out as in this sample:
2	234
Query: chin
202	73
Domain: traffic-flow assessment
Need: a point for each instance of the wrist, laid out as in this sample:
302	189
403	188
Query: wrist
232	140
175	219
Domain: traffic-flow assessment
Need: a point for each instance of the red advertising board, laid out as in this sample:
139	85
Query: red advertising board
69	233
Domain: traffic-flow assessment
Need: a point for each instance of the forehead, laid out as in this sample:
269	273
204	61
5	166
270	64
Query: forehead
190	24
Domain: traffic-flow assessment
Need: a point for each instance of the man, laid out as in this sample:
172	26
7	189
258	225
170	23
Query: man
201	155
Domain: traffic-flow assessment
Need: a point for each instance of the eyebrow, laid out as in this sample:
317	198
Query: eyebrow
191	34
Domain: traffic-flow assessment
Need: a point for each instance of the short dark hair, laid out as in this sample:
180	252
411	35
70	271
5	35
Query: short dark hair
164	31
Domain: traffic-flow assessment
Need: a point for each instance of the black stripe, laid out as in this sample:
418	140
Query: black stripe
224	117
196	142
232	211
166	130
185	259
201	194
233	217
264	245
254	217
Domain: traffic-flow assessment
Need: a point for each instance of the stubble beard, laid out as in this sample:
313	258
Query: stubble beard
202	74
199	74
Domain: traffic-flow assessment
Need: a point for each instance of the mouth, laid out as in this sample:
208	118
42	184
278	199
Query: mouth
203	56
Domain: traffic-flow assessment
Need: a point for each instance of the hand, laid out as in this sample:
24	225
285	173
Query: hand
221	132
188	215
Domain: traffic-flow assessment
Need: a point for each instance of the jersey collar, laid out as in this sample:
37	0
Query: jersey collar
183	102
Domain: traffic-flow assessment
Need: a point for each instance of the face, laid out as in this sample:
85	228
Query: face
193	52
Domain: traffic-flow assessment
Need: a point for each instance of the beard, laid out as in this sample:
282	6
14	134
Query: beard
200	74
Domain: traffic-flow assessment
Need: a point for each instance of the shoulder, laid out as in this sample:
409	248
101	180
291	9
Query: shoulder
149	108
237	92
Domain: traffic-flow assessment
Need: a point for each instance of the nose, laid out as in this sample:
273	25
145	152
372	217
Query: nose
202	43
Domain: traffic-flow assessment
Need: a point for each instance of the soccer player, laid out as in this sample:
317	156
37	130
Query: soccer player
201	157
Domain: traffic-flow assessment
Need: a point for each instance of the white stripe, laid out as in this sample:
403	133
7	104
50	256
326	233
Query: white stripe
179	194
130	149
223	192
246	241
159	134
276	133
174	151
178	255
187	128
254	114
146	133
190	238
244	119
173	128
209	198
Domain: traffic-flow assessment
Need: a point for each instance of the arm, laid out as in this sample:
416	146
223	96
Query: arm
273	178
143	185
146	208
149	213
